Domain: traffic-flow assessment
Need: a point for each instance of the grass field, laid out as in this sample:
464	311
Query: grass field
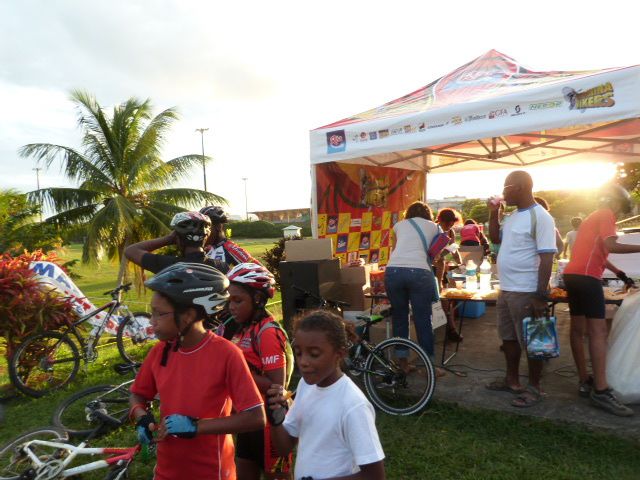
444	442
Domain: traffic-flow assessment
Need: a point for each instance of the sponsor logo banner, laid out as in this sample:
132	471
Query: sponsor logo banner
600	96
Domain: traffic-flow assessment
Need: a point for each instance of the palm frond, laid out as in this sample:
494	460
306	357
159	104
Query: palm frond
61	199
187	197
73	217
76	166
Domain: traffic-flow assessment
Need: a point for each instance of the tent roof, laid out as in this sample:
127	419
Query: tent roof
494	113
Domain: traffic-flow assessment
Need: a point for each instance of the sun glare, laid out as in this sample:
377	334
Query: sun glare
474	184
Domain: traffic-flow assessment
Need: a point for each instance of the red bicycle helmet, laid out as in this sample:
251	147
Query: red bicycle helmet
254	276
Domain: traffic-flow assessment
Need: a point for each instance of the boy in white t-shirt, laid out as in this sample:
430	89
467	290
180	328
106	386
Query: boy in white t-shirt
331	420
527	246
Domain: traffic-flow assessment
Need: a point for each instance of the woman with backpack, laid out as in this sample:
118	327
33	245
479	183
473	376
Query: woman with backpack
266	348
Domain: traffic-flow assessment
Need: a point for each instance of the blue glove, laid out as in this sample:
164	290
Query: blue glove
145	436
181	425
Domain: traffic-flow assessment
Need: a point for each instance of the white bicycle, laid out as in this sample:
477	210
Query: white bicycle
44	454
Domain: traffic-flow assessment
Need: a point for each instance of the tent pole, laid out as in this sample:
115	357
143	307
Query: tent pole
314	203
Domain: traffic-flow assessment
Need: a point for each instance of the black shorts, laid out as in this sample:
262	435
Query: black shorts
250	446
586	296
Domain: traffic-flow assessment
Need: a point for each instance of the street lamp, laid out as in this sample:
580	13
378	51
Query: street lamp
204	171
37	169
246	208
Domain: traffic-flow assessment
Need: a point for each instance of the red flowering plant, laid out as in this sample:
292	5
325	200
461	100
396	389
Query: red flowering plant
26	306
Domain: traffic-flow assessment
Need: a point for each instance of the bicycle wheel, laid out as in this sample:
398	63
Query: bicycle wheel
44	362
74	414
14	462
391	389
135	337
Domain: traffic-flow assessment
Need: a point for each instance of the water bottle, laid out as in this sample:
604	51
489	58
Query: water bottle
471	278
485	275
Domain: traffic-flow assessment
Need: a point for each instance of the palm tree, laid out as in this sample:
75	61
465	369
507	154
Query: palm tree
122	195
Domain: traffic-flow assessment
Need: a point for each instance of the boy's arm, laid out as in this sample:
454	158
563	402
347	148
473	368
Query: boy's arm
245	421
135	252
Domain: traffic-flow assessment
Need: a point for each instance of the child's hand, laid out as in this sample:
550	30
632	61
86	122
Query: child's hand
277	405
181	426
145	426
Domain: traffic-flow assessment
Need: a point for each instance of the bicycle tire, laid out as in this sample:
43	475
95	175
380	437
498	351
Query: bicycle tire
71	415
133	346
392	390
25	364
12	464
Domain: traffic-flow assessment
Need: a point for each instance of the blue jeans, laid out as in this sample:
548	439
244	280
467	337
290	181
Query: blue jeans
418	286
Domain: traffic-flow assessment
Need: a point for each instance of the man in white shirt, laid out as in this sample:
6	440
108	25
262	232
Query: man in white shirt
527	246
571	236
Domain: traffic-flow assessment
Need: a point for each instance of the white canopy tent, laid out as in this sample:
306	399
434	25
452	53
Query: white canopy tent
491	113
494	113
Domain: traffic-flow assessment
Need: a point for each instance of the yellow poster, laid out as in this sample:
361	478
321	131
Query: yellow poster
334	240
376	235
367	218
344	222
364	254
383	259
322	225
342	257
354	241
386	220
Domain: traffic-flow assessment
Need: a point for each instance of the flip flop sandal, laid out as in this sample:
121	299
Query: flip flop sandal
499	385
530	397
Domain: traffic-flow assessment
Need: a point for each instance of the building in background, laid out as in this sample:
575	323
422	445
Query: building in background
446	202
297	215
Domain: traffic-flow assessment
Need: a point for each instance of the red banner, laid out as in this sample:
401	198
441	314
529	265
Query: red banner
358	205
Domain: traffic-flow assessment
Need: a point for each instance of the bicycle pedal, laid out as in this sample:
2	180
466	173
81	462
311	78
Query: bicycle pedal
124	368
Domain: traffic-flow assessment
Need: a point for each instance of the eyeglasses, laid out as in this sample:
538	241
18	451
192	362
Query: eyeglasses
508	186
160	314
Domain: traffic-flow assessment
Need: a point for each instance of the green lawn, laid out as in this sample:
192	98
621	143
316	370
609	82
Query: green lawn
444	442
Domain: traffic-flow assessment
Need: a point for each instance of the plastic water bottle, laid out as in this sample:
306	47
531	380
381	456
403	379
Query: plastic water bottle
485	275
471	278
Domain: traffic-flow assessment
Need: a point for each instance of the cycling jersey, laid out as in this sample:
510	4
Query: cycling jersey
155	262
230	253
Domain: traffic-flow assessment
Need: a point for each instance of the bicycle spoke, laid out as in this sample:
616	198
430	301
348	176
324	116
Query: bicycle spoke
395	386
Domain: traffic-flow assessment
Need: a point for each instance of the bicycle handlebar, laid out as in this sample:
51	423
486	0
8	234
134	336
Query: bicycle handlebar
323	301
106	418
122	288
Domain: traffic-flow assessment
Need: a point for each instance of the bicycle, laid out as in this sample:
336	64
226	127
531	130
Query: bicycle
390	388
49	360
44	454
80	415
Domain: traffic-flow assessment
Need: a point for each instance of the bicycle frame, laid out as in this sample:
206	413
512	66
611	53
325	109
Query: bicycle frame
89	347
363	349
120	456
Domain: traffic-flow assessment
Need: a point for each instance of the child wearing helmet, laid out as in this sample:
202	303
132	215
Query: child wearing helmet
265	347
596	239
198	376
190	231
218	246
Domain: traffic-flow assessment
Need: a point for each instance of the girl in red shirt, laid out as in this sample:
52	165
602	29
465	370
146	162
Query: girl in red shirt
264	345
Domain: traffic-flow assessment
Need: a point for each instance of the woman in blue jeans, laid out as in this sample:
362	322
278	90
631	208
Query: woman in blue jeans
409	279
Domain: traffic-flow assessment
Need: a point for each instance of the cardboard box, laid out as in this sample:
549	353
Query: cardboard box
308	249
354	296
357	275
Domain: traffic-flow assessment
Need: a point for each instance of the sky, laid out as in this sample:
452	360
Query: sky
260	75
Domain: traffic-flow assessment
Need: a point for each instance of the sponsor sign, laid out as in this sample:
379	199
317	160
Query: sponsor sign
336	141
600	96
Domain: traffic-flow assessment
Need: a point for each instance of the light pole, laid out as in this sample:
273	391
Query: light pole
246	208
37	169
204	171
